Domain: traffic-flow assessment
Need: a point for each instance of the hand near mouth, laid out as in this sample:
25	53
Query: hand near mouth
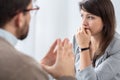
83	37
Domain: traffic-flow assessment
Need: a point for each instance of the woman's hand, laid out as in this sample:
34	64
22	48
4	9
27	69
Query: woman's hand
83	37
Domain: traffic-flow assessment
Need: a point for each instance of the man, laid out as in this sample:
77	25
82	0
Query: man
14	24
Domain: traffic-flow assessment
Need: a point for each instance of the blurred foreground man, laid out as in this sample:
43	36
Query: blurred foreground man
14	65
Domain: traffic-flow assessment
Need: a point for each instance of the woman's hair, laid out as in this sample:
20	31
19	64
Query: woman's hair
9	8
105	10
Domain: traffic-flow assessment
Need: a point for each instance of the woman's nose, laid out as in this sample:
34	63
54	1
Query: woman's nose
84	23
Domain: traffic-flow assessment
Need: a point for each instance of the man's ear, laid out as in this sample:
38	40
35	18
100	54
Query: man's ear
19	19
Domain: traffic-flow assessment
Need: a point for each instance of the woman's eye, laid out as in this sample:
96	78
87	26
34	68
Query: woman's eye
90	17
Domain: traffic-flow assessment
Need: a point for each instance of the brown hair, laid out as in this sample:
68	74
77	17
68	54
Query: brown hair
9	8
105	10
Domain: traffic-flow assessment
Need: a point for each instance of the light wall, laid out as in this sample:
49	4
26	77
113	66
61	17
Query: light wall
55	19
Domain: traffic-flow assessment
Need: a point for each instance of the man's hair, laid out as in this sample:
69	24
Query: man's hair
105	10
9	8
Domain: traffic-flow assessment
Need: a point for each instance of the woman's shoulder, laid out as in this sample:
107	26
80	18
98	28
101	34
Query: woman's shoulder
116	39
115	44
117	35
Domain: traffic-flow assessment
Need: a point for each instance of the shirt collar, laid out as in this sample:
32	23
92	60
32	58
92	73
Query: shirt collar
8	36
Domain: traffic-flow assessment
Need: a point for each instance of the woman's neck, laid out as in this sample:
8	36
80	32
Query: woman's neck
94	45
95	40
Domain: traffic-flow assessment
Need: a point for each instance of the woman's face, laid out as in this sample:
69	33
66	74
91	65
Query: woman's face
92	22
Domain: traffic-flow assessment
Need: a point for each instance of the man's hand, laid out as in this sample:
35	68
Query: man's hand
63	64
50	57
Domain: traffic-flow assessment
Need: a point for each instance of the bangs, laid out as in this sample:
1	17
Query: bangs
90	6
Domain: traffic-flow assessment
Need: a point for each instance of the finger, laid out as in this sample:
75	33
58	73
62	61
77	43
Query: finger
83	30
66	46
70	51
53	46
78	31
59	43
88	32
73	56
46	68
65	42
59	49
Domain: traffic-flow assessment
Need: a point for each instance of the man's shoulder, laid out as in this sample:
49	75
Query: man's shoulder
15	65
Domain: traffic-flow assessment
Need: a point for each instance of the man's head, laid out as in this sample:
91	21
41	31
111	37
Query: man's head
15	16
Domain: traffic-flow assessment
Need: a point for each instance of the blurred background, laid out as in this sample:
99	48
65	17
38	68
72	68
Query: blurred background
55	19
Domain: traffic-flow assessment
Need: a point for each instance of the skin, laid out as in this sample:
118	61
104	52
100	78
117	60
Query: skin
56	63
59	61
90	31
19	25
24	27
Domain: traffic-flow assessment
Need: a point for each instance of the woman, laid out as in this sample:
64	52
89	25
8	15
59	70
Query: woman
96	44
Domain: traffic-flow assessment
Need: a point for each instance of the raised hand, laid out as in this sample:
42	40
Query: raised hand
50	57
64	62
83	37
